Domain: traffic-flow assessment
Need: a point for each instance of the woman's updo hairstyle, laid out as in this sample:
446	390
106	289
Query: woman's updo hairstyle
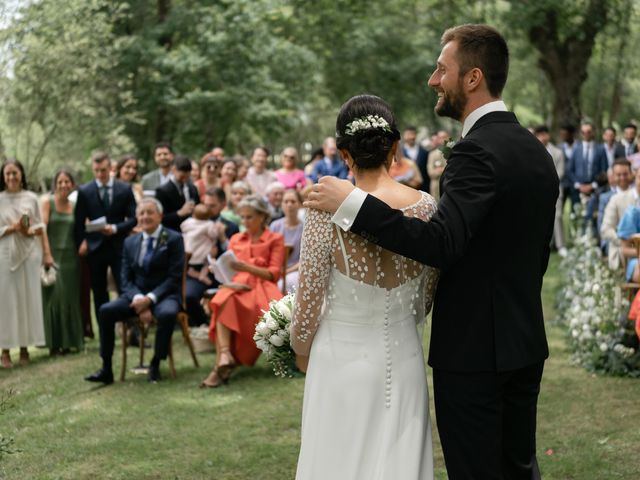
366	128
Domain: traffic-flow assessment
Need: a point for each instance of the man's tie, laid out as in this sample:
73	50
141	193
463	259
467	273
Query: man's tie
146	261
105	196
586	157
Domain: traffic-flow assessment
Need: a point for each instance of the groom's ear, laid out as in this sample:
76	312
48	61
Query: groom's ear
473	79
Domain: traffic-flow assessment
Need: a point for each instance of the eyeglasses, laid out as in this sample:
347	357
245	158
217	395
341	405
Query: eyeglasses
288	156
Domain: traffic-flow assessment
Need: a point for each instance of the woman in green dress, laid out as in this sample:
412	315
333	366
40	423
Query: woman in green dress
61	301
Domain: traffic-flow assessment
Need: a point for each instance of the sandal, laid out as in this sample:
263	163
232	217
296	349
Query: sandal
24	357
5	360
213	380
224	369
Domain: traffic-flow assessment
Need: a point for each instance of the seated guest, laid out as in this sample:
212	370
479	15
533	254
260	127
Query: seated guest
622	179
291	228
274	194
613	213
236	308
239	190
258	176
405	171
152	263
628	229
331	164
178	196
214	200
200	237
210	175
290	175
228	175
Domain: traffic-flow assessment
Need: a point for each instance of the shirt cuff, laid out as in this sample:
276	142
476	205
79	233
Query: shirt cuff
137	296
153	298
349	208
114	228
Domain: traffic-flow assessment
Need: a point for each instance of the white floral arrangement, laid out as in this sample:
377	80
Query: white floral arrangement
367	123
594	310
273	332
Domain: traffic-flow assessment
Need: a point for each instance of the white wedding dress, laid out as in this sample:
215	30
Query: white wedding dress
366	405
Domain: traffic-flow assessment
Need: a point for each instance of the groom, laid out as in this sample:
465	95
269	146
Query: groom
490	239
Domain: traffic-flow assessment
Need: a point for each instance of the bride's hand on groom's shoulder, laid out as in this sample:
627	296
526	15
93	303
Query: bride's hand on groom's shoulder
328	194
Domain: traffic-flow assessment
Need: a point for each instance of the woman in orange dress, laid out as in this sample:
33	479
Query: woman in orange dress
237	307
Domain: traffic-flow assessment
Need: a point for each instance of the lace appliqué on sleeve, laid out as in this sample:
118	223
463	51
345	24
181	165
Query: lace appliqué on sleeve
314	269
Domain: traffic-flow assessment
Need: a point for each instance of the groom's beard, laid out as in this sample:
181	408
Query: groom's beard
452	103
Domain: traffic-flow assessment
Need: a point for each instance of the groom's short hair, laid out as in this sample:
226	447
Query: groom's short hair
481	46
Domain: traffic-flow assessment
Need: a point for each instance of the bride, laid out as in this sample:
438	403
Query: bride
355	327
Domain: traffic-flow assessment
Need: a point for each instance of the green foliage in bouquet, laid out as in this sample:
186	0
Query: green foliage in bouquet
272	336
592	307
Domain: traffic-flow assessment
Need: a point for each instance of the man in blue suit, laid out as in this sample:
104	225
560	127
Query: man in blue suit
113	200
331	164
151	273
588	160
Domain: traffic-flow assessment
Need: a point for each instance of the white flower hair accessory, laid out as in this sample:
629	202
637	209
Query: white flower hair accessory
367	123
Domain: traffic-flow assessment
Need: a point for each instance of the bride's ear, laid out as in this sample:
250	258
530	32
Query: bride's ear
393	153
348	159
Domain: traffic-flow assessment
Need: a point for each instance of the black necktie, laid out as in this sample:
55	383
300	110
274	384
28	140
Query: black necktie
105	196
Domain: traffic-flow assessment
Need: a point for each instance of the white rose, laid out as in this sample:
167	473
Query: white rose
276	340
262	344
603	347
284	310
272	323
283	334
263	329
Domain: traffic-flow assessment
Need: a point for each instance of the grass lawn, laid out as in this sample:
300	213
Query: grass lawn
588	426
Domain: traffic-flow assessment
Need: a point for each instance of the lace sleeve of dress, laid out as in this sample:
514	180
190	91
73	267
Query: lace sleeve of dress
315	265
429	207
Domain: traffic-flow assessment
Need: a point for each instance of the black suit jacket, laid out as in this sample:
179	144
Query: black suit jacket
164	276
121	213
490	239
172	200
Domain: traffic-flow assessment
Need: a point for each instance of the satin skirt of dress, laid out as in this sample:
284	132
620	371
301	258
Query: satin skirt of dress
366	406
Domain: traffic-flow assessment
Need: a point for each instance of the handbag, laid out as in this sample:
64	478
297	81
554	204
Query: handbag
48	275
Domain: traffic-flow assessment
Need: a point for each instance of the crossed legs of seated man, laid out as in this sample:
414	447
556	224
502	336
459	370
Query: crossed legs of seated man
121	309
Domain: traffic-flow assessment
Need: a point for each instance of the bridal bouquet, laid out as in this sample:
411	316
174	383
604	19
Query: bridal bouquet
272	336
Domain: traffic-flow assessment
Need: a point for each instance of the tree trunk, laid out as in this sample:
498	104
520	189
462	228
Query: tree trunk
564	60
163	128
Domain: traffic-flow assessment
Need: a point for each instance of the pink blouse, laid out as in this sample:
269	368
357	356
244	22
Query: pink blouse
294	179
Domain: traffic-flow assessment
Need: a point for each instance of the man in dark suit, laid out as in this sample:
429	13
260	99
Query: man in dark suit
490	239
629	144
215	200
414	151
178	196
151	274
587	162
113	200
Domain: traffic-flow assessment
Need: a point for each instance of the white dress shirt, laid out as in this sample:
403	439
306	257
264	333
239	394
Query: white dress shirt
349	208
143	251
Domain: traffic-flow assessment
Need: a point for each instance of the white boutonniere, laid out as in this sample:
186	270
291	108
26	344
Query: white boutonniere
164	237
447	148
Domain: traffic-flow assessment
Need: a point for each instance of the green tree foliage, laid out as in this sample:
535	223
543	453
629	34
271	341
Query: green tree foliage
121	75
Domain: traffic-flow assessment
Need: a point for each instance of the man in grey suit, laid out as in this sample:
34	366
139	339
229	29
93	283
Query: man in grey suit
163	156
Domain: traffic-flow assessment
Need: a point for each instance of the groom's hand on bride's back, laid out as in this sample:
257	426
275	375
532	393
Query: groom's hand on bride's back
328	194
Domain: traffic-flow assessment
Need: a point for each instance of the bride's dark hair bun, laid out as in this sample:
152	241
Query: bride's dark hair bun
366	128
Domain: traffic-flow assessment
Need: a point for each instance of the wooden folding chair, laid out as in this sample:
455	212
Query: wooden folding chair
182	318
631	288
